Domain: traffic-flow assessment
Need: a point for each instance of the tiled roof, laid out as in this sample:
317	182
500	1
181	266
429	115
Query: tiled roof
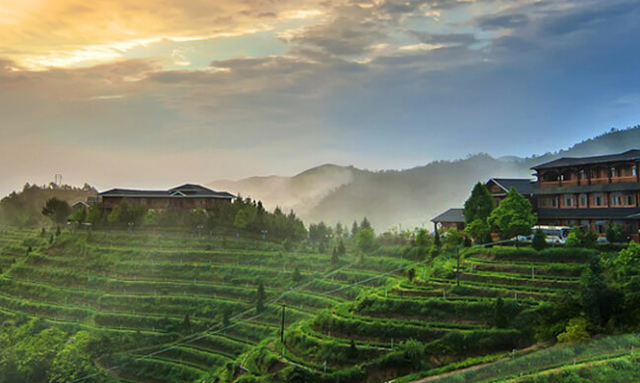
452	215
524	186
631	155
184	191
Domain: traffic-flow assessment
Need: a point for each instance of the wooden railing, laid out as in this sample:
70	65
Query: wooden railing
624	179
603	180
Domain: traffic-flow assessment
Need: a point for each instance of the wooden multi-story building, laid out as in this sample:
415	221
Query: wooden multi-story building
591	192
185	197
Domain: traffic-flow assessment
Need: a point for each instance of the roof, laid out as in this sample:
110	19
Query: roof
80	203
452	215
630	155
523	186
594	213
183	191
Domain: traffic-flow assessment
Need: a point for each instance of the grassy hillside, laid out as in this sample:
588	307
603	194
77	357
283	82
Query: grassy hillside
178	308
173	308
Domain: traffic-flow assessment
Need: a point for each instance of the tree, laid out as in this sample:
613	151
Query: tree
366	240
365	224
94	215
593	295
124	214
354	229
260	298
436	238
513	216
479	230
572	240
589	239
576	331
341	249
57	210
616	234
479	205
79	215
411	273
422	238
241	220
539	240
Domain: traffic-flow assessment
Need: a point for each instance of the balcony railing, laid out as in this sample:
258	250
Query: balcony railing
622	179
570	183
549	184
602	180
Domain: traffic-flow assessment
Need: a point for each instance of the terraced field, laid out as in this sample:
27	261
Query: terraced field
185	305
183	309
367	340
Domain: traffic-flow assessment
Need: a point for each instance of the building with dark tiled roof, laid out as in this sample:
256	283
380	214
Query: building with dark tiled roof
450	219
590	192
187	197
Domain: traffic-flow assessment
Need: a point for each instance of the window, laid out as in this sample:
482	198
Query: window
583	174
583	200
614	172
616	199
597	200
568	200
634	170
630	200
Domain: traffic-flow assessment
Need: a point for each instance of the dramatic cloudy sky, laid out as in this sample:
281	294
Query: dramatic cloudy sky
153	93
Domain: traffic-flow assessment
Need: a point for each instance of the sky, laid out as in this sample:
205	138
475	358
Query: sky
157	93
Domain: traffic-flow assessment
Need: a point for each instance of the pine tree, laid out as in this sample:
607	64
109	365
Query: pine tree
296	275
436	239
354	229
335	257
479	205
341	249
365	224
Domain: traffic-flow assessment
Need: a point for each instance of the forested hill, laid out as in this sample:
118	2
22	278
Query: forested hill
408	197
25	208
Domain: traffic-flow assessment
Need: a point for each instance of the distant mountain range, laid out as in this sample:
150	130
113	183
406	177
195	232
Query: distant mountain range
333	193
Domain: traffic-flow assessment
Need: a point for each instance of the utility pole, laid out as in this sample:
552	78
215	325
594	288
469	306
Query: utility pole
457	266
282	325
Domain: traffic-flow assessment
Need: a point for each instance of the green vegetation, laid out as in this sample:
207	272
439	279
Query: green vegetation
164	304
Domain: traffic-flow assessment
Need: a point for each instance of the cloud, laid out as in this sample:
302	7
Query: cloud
503	21
381	81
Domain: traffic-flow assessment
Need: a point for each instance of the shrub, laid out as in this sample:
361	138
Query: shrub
572	240
539	240
576	331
